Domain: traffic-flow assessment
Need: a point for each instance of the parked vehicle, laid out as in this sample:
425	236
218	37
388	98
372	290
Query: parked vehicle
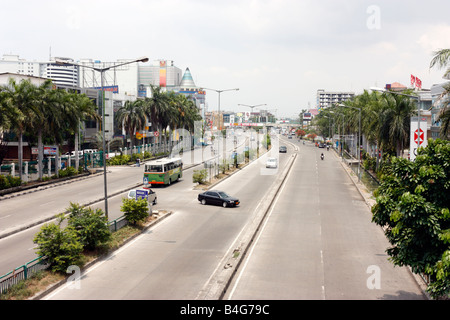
152	198
271	163
283	149
217	197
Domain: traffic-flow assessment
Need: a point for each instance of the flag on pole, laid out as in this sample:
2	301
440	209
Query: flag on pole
413	80
418	83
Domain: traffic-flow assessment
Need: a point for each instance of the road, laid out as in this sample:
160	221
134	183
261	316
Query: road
319	243
175	259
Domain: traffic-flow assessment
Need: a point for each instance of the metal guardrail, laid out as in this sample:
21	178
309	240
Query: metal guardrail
29	269
22	273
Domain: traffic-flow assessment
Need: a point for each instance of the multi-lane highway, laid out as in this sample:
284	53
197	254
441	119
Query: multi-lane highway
317	241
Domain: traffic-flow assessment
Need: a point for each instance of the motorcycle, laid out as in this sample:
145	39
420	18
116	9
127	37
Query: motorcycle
321	156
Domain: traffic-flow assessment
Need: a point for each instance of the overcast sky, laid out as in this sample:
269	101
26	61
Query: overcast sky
277	52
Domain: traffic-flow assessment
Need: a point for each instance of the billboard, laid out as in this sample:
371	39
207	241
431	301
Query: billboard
162	74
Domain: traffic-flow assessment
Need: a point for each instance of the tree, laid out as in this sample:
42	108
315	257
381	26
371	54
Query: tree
156	108
83	109
91	225
442	59
413	208
61	246
20	96
132	116
396	119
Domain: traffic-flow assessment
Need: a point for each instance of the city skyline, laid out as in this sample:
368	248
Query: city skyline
277	53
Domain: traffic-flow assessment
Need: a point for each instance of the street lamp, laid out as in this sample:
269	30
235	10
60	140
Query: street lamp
245	105
359	138
102	71
219	92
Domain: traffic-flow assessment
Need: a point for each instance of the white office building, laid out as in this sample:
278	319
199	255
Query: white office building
326	99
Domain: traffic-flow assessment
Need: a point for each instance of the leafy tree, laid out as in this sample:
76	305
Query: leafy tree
61	246
92	226
413	208
134	210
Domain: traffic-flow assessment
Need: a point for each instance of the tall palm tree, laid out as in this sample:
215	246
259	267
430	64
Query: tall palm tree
82	108
444	113
396	119
442	59
156	108
21	96
45	106
132	116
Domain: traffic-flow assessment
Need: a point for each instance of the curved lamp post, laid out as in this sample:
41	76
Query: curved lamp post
102	71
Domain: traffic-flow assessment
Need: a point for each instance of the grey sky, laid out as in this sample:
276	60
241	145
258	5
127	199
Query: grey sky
277	52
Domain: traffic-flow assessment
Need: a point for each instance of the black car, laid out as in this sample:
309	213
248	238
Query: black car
283	149
217	197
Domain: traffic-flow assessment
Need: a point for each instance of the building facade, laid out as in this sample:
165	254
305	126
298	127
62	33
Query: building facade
326	99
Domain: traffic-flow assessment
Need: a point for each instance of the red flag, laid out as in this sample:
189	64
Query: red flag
418	83
413	80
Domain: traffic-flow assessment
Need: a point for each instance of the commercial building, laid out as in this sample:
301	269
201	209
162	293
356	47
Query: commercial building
326	99
439	101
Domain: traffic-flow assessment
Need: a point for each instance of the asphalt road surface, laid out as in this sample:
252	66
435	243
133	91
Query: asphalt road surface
319	243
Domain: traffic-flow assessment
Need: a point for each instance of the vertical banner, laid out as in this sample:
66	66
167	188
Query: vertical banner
418	138
162	74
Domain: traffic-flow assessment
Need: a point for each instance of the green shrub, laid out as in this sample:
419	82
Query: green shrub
92	226
119	160
135	156
4	182
134	210
14	181
147	155
61	246
199	176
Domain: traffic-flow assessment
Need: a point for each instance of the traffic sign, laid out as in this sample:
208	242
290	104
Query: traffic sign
156	133
141	194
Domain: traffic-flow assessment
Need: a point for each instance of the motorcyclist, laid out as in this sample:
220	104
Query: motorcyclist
322	156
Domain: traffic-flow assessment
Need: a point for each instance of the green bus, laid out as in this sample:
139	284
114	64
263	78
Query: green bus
162	171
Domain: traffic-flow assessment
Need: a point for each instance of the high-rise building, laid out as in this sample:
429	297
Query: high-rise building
61	75
328	98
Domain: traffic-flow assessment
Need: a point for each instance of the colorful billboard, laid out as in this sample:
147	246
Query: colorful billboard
162	74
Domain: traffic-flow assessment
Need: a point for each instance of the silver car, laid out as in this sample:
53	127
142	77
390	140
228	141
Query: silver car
271	163
151	195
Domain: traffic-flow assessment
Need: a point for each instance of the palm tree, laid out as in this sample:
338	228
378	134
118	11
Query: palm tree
22	97
156	108
442	59
444	113
82	108
45	106
132	116
396	119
